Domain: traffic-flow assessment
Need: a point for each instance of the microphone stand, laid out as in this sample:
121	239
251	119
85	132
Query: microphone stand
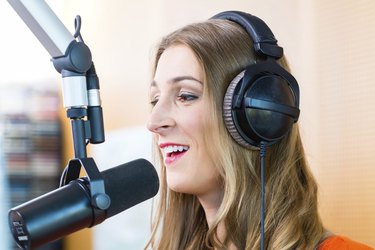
72	58
81	98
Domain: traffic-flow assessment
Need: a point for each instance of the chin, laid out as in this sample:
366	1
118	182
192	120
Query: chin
176	188
179	187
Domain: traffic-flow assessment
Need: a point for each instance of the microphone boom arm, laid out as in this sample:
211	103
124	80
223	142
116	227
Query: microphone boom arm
80	87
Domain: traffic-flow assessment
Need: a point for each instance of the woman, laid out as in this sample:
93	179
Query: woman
210	184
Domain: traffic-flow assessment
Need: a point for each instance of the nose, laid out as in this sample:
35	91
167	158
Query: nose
160	119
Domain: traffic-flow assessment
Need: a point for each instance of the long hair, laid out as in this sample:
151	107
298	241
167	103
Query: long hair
224	49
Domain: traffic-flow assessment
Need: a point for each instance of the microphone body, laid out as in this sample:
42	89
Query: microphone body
69	209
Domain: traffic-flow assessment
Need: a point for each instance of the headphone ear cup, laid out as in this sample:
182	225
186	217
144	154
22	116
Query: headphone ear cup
228	113
260	106
262	102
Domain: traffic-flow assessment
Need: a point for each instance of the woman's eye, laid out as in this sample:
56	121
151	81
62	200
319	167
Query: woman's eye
154	101
185	97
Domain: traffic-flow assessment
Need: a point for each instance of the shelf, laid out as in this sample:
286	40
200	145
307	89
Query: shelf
30	140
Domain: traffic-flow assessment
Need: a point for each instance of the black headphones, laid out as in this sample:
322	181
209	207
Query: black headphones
262	102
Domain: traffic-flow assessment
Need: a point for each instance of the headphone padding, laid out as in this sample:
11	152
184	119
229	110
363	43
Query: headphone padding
228	114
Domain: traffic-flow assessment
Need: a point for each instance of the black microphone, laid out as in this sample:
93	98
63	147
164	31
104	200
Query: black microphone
69	209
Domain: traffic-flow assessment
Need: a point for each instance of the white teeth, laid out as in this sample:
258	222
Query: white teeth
171	149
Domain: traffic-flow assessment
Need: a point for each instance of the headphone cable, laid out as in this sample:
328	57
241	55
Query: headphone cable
262	157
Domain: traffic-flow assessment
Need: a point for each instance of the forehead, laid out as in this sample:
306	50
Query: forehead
177	61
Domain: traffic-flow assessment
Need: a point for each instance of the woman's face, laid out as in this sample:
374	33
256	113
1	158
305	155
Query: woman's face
177	120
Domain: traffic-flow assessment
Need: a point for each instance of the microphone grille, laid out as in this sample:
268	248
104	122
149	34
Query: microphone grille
129	184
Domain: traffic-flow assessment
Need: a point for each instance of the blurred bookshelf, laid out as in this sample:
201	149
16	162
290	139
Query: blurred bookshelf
30	149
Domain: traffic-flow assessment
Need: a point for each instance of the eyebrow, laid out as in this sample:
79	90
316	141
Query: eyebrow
178	79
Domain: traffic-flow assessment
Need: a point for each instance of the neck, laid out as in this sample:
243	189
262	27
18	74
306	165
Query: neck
210	203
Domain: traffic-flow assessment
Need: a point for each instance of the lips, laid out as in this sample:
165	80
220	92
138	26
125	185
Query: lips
173	152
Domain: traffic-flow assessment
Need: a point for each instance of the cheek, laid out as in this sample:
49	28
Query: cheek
194	123
197	177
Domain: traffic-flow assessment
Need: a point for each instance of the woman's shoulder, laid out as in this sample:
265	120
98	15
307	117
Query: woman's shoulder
342	243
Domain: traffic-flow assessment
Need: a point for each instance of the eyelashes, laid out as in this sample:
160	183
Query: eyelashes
186	97
182	97
154	101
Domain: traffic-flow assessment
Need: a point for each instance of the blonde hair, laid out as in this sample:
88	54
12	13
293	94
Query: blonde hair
291	214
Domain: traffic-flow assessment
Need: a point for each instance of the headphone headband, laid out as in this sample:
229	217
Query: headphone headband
265	42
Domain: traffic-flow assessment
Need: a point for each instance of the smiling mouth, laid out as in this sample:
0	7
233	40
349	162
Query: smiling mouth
171	151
